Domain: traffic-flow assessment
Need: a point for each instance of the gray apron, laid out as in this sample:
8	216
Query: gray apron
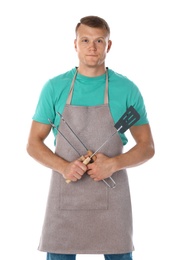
88	217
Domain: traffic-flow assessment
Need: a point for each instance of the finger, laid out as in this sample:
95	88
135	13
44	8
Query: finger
77	176
74	179
92	175
81	165
89	167
80	171
89	172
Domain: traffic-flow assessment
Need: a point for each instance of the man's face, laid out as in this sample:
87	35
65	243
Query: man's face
92	45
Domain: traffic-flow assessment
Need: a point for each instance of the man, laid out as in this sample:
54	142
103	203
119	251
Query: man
85	216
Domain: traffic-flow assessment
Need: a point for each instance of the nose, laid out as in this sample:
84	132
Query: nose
92	45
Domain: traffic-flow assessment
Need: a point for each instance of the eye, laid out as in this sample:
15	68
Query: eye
85	40
100	41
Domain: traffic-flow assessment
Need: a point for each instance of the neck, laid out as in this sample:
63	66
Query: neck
91	71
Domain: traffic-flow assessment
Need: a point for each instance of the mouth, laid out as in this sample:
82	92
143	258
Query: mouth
91	55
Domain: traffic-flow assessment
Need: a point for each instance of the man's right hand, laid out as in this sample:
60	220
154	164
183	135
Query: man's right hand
74	171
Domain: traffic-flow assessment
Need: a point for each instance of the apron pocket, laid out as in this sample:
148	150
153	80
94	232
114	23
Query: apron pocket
85	194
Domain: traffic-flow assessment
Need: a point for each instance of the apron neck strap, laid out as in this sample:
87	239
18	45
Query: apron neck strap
72	88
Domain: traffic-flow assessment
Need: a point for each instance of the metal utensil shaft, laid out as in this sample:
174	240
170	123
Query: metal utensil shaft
72	130
104	143
53	125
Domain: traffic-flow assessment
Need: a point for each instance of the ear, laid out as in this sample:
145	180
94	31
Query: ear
109	45
75	44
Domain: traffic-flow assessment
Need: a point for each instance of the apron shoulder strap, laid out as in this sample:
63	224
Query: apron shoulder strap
68	101
106	87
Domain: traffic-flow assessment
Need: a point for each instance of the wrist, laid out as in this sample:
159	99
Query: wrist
115	164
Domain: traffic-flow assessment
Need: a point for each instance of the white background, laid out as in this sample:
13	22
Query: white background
152	47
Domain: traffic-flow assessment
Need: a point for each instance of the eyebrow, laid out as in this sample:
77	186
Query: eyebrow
101	37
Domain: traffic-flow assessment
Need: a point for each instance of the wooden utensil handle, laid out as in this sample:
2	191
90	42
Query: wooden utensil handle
85	160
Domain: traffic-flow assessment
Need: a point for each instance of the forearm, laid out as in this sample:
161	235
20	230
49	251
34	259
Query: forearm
41	153
105	166
137	155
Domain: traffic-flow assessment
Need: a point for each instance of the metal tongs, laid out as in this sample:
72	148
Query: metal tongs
128	119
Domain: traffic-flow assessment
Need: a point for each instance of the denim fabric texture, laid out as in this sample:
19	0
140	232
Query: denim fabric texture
51	256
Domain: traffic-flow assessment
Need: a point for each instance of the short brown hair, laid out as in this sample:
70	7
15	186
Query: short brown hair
95	22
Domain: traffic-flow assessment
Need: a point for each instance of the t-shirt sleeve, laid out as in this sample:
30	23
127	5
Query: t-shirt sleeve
137	101
45	105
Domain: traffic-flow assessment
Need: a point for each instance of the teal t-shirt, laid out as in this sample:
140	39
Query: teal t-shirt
89	91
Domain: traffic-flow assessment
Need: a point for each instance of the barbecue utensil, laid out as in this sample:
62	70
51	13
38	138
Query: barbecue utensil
128	119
